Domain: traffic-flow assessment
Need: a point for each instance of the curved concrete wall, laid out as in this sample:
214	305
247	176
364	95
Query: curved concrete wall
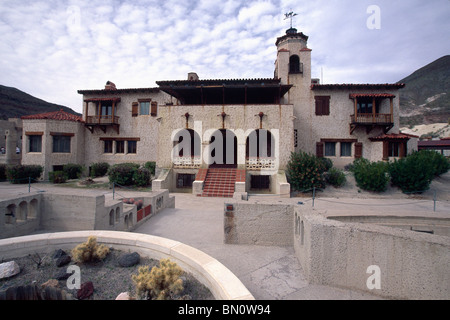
214	275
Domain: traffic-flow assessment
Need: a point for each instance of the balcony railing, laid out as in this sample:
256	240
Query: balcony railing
187	162
260	163
102	120
370	118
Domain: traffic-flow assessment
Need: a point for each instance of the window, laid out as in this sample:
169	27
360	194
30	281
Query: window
330	149
395	149
108	147
132	146
106	110
322	105
35	143
144	108
61	144
346	149
120	146
259	182
365	105
185	180
295	138
295	65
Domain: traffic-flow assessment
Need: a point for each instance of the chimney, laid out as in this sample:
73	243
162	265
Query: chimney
110	86
192	76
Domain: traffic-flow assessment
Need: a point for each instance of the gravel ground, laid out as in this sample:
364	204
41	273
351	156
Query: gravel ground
108	277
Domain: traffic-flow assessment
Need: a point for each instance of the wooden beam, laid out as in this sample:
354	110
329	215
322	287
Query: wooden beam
356	110
374	110
392	109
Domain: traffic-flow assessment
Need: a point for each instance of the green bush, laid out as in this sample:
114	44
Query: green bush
305	171
99	169
2	172
335	177
73	171
371	176
414	173
57	176
20	174
150	166
141	177
326	163
439	162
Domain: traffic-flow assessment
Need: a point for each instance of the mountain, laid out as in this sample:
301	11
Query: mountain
426	96
15	103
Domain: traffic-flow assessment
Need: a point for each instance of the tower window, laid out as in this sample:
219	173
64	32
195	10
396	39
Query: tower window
294	65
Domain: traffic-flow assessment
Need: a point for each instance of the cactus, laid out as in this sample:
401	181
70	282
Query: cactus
159	283
89	251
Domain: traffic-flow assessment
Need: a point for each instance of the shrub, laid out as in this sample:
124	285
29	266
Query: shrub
73	171
2	172
414	173
371	176
89	251
99	169
21	173
151	166
305	171
326	163
159	283
335	177
123	173
439	162
141	177
57	176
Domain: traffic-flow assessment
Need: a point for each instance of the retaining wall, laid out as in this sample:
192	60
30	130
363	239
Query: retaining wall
224	285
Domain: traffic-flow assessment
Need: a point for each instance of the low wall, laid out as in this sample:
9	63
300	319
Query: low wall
258	224
412	265
224	285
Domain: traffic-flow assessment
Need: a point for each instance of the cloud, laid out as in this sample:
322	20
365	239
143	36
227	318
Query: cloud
51	49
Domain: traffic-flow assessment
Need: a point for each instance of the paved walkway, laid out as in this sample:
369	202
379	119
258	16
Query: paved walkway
269	272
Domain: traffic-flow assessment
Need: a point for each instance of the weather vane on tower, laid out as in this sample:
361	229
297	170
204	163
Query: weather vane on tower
289	15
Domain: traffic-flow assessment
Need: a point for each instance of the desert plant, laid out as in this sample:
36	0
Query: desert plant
57	176
73	171
22	173
99	169
414	173
159	283
141	177
151	166
89	251
335	177
305	171
371	176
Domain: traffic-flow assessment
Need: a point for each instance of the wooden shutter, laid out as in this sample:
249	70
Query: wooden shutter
386	151
154	110
135	109
319	149
358	150
322	105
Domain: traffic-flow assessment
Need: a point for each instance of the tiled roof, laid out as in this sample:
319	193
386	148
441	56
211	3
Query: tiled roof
391	136
55	115
359	86
118	91
200	82
434	143
371	95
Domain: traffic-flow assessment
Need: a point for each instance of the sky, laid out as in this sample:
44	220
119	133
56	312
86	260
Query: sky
52	48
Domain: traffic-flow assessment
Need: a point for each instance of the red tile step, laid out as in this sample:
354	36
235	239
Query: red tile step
219	182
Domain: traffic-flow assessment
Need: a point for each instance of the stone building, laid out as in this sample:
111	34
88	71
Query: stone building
214	137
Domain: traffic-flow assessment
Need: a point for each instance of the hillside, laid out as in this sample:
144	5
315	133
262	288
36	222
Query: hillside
426	97
15	103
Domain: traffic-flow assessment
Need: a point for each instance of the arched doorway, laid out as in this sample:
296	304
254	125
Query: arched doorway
223	148
260	144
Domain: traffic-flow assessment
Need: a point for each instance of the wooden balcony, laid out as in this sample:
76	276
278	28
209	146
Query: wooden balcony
102	122
371	120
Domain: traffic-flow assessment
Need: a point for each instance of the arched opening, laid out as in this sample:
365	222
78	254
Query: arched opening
111	217
186	149
294	64
10	216
22	212
223	149
260	144
33	209
125	222
117	214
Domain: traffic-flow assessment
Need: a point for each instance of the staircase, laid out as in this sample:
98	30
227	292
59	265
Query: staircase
219	182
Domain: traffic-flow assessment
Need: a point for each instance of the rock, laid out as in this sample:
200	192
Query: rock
62	275
63	260
86	290
59	253
123	296
129	259
9	269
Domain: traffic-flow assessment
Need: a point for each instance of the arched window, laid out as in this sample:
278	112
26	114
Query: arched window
294	64
187	143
